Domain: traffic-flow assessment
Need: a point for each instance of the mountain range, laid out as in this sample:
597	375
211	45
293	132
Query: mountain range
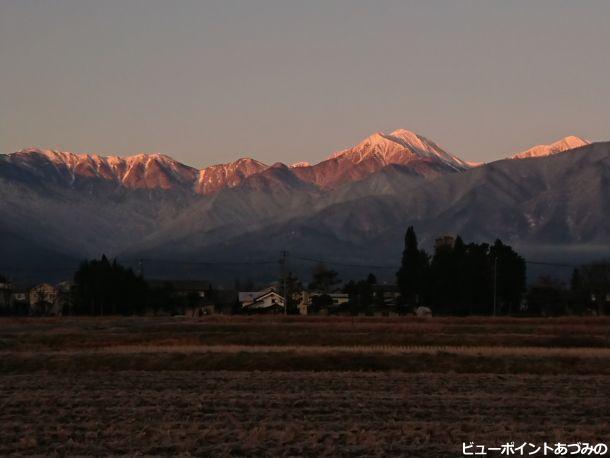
352	208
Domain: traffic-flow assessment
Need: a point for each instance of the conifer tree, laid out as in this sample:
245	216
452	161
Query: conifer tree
411	276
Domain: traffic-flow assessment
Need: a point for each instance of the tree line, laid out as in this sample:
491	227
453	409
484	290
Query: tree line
483	279
458	278
587	292
102	287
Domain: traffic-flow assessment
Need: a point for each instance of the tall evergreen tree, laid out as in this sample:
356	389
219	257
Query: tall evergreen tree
509	271
579	298
596	280
361	295
411	276
478	286
460	254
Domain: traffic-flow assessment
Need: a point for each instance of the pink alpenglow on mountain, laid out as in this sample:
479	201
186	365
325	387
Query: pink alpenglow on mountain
146	171
420	156
216	177
401	147
559	146
142	171
152	171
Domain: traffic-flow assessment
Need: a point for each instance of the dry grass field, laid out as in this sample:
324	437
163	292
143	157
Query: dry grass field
276	386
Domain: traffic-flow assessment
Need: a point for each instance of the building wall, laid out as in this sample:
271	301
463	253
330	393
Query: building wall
43	300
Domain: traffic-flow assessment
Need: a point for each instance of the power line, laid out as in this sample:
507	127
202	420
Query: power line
336	263
552	264
204	263
268	261
38	269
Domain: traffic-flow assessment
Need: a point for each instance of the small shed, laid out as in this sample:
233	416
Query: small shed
423	311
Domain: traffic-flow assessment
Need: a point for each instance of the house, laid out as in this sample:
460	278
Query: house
6	290
304	304
339	298
64	299
43	300
266	301
19	302
386	294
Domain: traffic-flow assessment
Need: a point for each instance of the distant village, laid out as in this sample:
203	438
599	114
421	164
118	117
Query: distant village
459	279
199	298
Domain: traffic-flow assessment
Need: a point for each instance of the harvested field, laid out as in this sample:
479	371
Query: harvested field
297	413
258	387
69	332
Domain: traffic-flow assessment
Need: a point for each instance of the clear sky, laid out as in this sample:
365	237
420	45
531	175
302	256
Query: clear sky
282	80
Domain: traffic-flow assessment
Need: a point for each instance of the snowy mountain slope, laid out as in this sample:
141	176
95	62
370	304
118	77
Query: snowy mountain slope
399	147
377	151
158	171
143	171
216	177
565	144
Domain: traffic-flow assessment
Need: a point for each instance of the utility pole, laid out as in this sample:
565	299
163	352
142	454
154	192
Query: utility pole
495	282
141	267
284	263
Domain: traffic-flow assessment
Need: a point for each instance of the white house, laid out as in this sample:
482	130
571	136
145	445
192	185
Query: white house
266	301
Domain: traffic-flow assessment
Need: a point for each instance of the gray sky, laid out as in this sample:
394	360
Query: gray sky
211	81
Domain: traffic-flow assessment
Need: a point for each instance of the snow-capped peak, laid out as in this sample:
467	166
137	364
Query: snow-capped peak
559	146
399	147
